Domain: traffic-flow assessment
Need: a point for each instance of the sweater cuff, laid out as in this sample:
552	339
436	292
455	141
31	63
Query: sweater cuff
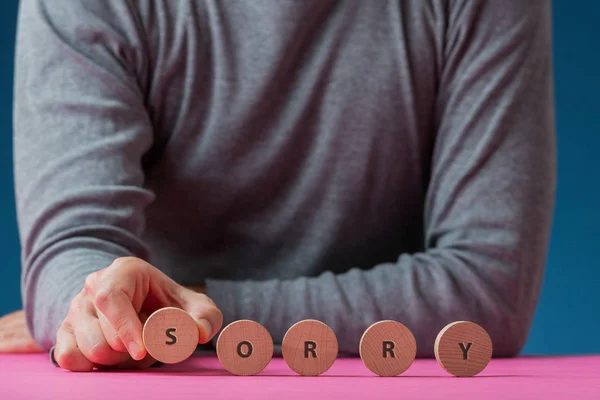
47	296
223	294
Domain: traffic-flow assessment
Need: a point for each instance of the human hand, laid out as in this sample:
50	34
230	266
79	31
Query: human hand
103	327
14	335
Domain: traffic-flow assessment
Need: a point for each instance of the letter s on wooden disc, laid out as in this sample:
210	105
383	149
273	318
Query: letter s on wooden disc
170	335
463	348
388	348
244	347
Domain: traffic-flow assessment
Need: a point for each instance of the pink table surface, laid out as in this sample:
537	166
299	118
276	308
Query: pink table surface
32	376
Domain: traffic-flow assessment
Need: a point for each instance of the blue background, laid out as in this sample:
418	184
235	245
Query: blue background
568	317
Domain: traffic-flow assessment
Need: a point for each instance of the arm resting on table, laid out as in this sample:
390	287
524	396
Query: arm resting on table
80	131
488	208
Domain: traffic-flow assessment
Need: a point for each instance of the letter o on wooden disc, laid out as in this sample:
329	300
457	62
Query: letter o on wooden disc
170	335
463	348
244	347
388	348
309	347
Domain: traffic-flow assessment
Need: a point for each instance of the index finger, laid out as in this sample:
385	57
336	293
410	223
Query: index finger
111	300
118	309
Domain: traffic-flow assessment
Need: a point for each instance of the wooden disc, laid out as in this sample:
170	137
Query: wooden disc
309	347
170	335
388	348
463	348
244	347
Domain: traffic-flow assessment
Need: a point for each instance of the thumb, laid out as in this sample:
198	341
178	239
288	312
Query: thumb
203	310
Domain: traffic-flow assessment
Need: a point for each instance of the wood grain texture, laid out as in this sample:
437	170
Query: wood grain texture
309	347
244	347
170	335
463	348
388	348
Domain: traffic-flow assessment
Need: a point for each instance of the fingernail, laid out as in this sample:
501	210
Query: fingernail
134	350
52	359
206	327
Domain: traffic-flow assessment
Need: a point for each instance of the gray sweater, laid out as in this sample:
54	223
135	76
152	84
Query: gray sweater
347	161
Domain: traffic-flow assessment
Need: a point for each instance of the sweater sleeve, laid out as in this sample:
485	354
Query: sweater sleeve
488	207
80	131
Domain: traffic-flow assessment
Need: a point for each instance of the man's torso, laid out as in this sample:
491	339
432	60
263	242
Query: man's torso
291	137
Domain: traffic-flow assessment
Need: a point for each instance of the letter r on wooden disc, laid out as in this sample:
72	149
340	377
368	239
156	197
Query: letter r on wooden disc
170	335
245	347
388	348
463	348
309	347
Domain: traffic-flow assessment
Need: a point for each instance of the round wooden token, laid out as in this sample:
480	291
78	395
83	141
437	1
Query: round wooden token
244	347
388	348
463	348
170	335
309	347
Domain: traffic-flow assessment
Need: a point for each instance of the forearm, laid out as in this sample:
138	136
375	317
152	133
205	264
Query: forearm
423	291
